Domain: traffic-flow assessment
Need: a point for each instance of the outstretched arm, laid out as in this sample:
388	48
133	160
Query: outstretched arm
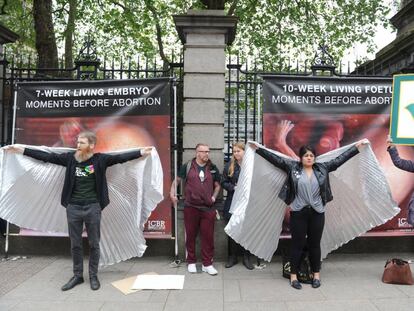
112	159
403	164
49	157
333	164
282	163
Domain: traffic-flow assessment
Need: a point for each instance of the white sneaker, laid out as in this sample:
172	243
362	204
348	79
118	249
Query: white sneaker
209	269
192	268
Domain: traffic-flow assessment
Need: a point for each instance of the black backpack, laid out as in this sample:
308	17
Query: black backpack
304	274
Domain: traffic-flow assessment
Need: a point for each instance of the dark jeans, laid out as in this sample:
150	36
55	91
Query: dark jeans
306	227
90	215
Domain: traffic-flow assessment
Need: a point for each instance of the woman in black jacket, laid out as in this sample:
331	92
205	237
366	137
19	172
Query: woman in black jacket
307	191
231	174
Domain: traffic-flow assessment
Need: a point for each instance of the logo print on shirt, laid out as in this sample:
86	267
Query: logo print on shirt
87	170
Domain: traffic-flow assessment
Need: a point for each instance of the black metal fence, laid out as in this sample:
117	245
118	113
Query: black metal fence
243	113
88	66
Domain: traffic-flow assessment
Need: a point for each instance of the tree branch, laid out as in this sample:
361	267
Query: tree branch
153	11
3	8
62	9
232	8
70	29
120	5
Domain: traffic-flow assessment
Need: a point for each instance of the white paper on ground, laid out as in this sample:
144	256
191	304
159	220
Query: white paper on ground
159	282
125	285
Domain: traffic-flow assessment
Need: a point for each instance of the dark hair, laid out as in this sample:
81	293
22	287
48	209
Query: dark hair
305	149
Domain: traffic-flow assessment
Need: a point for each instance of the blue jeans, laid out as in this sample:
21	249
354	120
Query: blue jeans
90	215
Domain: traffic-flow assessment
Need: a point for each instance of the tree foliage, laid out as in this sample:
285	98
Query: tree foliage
277	30
272	30
18	16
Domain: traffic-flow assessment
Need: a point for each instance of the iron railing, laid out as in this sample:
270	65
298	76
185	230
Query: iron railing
88	66
243	113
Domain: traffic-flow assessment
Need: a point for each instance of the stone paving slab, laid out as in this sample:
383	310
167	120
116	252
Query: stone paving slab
349	282
17	270
255	306
331	305
406	304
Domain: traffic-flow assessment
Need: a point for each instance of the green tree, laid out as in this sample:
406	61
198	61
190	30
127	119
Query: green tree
66	16
272	30
277	30
18	16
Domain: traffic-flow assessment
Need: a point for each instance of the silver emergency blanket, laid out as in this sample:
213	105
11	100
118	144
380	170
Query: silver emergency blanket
362	201
30	192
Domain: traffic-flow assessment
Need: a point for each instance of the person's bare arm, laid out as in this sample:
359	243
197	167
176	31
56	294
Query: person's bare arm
173	190
216	191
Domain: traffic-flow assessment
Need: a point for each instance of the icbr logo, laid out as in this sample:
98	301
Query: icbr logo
156	225
402	223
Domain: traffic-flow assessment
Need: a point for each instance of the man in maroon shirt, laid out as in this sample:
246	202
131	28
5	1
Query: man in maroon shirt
202	185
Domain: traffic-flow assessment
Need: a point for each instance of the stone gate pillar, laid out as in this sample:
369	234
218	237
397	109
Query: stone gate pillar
204	35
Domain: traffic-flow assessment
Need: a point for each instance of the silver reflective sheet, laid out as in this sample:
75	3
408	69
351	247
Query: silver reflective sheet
30	192
362	201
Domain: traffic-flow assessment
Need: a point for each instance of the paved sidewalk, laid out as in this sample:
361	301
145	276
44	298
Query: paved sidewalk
349	282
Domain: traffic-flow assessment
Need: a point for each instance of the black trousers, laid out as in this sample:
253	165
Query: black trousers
306	227
233	248
90	215
3	226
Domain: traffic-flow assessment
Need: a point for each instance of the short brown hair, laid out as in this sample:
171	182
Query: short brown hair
90	136
201	144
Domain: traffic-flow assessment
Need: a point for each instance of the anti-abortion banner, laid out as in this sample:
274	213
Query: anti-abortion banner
122	113
330	112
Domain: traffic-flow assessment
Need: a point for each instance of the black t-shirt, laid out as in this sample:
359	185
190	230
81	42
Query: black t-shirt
84	190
